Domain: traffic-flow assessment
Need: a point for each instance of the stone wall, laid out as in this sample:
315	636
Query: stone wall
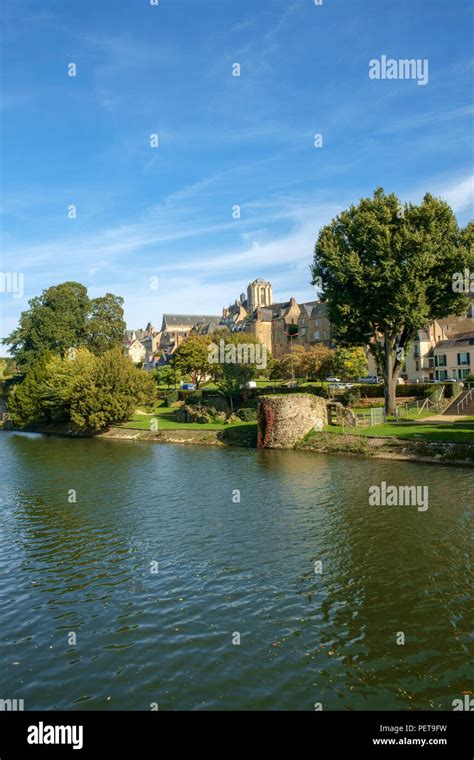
285	420
340	415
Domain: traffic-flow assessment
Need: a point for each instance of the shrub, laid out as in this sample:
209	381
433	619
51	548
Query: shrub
315	390
247	414
452	389
171	398
251	403
351	397
217	402
195	397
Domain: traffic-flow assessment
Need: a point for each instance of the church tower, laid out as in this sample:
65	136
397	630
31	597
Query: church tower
259	293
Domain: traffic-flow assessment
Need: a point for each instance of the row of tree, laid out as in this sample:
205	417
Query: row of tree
320	362
64	316
193	359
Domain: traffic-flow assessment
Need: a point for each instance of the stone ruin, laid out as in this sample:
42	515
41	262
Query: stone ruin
285	420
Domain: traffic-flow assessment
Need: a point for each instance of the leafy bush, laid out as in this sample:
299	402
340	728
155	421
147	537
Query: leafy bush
195	397
419	390
247	414
315	390
171	398
351	397
90	391
217	402
251	403
451	390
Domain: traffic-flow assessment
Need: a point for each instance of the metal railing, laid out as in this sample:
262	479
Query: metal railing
465	400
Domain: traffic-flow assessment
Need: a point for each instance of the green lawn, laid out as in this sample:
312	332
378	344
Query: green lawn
411	415
455	432
166	421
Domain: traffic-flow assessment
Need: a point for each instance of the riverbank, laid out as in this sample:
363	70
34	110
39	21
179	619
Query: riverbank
428	452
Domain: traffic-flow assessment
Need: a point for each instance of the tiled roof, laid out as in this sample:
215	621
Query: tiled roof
171	320
464	339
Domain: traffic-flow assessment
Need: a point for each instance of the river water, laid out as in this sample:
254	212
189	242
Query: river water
145	557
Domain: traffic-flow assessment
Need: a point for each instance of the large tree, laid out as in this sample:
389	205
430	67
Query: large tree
387	271
105	325
192	358
64	317
350	362
109	392
317	363
238	358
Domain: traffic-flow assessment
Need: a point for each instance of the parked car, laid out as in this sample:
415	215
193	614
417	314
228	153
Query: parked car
249	384
333	379
372	379
400	381
188	387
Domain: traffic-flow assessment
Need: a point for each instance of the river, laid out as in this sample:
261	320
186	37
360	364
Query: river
137	574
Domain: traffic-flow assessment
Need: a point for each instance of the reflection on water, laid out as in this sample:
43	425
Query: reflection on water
226	568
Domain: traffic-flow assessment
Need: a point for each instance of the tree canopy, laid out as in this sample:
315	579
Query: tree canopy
91	392
387	271
64	317
192	358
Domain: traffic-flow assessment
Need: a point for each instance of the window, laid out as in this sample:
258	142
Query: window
417	366
463	373
464	358
441	374
440	361
316	334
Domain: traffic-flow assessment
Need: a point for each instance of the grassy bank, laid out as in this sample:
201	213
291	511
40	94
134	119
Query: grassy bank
163	418
389	447
449	432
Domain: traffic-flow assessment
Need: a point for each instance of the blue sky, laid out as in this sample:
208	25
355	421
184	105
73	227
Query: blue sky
166	212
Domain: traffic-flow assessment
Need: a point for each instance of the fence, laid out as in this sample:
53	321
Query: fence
409	410
373	416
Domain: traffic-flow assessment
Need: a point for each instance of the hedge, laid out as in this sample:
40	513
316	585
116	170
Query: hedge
419	390
171	398
247	414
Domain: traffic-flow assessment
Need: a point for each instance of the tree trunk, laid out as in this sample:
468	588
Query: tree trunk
390	381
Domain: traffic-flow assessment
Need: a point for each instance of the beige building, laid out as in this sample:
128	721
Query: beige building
136	351
453	359
279	325
439	340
